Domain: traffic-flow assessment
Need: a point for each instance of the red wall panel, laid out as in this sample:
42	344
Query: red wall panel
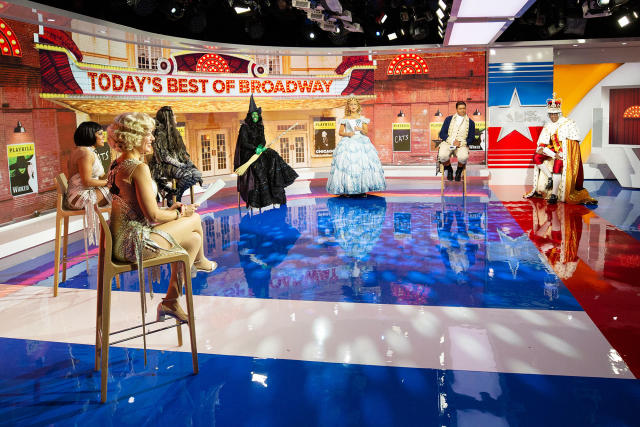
621	130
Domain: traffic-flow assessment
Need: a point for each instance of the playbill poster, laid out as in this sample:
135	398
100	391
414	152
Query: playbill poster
23	178
324	136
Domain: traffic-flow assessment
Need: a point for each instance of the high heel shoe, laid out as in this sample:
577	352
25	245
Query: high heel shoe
213	266
176	312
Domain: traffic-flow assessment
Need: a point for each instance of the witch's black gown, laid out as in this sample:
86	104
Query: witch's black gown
264	183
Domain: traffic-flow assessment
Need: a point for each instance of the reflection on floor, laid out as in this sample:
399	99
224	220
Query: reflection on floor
401	308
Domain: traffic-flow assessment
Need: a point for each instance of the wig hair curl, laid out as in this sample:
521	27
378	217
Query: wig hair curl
351	99
128	130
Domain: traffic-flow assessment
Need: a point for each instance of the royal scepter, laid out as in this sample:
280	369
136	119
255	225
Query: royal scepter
244	167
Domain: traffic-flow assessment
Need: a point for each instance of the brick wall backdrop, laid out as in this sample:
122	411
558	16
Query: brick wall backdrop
47	125
451	77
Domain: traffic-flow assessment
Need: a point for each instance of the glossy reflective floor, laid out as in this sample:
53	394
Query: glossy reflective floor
401	308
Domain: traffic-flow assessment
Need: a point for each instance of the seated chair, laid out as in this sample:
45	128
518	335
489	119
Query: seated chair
108	268
464	180
62	222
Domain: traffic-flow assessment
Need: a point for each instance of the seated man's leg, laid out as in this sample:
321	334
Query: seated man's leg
462	153
444	157
557	177
538	160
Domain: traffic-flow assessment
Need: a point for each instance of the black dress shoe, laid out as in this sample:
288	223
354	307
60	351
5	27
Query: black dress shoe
553	199
449	170
549	184
459	174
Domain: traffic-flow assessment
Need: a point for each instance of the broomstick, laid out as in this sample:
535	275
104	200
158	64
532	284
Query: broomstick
244	167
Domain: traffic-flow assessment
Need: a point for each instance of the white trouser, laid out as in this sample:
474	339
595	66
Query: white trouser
445	153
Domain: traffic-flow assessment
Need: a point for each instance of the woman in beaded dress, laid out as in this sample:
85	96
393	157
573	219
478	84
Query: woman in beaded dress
86	185
139	227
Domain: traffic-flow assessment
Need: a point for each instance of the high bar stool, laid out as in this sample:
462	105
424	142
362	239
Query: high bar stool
62	222
464	180
190	192
107	270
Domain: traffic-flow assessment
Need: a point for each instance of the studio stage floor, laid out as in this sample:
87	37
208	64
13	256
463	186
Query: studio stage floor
398	309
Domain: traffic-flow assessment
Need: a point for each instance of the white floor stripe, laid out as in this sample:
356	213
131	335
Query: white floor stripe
492	340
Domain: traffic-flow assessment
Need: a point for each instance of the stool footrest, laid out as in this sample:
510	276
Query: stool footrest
148	333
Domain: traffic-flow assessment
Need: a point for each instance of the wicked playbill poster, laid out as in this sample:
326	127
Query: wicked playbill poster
324	140
23	178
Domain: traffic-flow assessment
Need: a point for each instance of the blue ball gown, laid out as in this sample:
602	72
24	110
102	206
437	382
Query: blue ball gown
356	167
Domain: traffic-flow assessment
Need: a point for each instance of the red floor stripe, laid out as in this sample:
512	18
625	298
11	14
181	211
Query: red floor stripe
606	280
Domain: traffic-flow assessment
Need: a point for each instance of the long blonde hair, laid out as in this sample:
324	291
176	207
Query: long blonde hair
351	99
128	130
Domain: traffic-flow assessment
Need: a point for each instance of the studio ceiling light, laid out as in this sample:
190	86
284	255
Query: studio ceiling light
491	8
470	33
624	21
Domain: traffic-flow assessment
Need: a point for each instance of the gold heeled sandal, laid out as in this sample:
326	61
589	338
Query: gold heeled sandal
176	312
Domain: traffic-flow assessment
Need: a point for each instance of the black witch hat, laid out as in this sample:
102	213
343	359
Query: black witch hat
21	163
253	107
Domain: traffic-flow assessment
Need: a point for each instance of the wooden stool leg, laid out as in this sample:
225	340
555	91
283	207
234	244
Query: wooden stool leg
193	199
464	181
179	328
174	187
104	345
56	260
65	242
99	321
143	309
192	325
118	281
441	179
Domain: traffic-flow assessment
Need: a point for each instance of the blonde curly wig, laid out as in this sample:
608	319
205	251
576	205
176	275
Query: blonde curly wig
350	99
128	130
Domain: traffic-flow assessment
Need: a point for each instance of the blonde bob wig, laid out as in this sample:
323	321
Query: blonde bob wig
128	130
351	99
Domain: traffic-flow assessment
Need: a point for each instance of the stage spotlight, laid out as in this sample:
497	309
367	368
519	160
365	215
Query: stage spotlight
623	21
404	14
392	36
240	10
418	32
174	9
383	18
442	5
440	13
603	2
312	35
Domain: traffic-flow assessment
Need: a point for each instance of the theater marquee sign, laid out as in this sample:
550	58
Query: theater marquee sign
198	75
133	83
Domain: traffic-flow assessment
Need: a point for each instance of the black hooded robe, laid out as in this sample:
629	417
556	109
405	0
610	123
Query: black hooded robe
167	165
264	182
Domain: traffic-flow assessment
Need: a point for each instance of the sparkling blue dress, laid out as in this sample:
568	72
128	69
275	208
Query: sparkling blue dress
356	167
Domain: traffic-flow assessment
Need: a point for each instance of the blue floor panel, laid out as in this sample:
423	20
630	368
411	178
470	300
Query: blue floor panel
414	250
48	383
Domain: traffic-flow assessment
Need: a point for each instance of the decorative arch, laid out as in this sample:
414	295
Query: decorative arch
212	63
407	63
632	112
9	44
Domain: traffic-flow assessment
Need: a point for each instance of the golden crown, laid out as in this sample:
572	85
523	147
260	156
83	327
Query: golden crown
554	102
